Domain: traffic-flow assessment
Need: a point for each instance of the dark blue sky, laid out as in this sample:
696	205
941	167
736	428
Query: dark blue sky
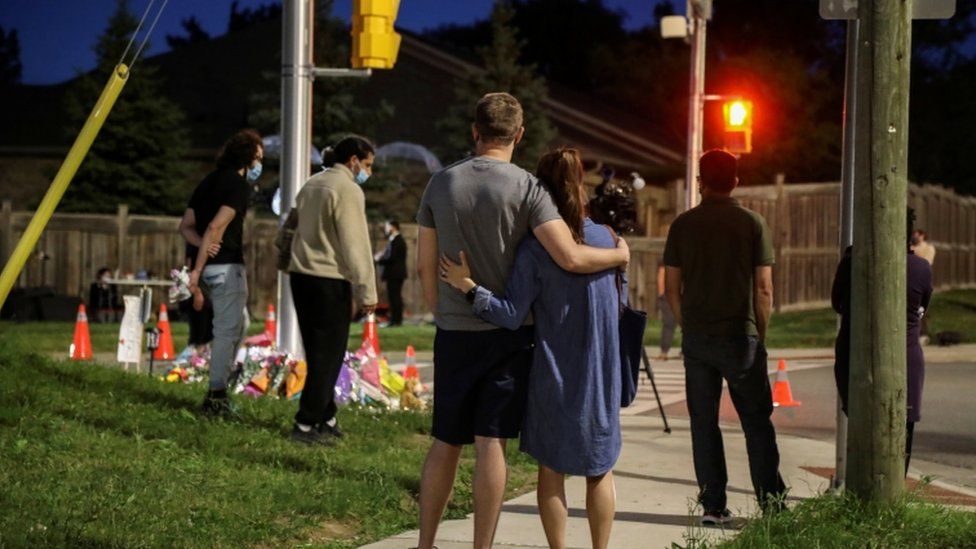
56	36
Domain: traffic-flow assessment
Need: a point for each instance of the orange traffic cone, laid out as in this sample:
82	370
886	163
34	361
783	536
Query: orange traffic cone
782	395
81	348
410	364
271	322
370	334
165	349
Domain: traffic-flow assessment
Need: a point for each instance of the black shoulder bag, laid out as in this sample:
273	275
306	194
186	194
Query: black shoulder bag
631	327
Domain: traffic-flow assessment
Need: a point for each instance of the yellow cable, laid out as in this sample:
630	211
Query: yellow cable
17	260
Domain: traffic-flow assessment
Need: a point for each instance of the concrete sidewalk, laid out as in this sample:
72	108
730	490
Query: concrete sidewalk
655	477
656	488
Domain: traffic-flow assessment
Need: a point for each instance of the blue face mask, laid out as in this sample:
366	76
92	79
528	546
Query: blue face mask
254	172
361	176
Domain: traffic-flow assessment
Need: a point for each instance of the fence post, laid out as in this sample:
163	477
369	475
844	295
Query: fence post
6	229
122	232
782	234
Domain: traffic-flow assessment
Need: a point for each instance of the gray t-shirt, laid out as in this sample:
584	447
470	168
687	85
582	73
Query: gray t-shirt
484	207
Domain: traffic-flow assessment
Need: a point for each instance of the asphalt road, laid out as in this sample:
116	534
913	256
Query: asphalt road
945	439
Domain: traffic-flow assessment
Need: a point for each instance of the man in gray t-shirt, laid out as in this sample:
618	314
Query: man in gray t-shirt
484	206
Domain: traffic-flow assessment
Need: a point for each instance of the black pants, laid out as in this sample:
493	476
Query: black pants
201	322
394	294
909	438
324	310
741	361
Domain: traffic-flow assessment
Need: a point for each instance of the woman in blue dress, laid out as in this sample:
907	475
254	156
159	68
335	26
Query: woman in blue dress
572	418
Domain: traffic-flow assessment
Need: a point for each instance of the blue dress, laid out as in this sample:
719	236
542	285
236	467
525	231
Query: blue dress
572	417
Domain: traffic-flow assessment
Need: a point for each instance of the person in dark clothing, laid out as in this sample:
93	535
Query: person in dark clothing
393	261
103	299
919	284
200	321
718	268
214	223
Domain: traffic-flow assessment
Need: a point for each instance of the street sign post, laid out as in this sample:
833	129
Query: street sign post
921	9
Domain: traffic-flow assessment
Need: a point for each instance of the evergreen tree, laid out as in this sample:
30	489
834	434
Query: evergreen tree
137	157
10	67
501	72
194	34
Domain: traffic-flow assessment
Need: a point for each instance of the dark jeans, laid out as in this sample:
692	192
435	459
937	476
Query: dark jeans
394	294
741	361
324	310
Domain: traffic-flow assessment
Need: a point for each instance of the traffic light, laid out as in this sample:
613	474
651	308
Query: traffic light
374	42
738	126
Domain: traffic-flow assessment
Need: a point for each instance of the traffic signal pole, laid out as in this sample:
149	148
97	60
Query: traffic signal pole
296	137
696	101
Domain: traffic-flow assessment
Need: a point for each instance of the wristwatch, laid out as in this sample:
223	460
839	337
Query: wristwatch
471	293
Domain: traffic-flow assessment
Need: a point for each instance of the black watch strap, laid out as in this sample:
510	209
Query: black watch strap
471	293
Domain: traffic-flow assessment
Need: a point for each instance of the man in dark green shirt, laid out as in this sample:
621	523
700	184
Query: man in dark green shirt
718	261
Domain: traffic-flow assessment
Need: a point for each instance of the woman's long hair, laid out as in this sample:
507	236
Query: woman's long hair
562	172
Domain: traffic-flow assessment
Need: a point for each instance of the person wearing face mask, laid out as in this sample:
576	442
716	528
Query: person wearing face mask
213	223
102	297
331	273
393	260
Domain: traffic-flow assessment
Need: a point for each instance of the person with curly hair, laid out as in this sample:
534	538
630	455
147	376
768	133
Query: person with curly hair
213	223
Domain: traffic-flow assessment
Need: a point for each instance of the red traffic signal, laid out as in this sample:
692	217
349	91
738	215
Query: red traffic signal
737	114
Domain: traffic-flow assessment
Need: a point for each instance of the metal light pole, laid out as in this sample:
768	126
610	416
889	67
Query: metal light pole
296	135
847	214
696	84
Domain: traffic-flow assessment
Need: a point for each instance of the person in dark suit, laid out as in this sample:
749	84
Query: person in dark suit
393	261
919	285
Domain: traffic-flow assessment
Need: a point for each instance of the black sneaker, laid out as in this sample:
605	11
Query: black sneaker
217	404
310	437
716	518
330	430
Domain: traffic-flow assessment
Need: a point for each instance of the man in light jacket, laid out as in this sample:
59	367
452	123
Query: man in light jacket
331	272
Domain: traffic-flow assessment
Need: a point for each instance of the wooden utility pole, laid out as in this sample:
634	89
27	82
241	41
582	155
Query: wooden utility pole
876	435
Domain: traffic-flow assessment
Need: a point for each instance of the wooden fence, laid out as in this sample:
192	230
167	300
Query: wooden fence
804	219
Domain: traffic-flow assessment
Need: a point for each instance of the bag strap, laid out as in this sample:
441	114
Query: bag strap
618	277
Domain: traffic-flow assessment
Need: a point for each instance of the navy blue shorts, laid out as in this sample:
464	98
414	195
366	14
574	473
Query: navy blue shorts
480	383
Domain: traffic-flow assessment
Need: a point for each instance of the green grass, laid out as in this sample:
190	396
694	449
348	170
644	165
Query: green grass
55	337
93	457
953	310
839	522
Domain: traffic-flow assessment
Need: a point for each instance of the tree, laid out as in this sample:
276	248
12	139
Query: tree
194	34
942	113
500	71
248	17
137	157
10	67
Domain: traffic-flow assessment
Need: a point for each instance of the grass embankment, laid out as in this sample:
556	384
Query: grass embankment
93	457
843	521
950	311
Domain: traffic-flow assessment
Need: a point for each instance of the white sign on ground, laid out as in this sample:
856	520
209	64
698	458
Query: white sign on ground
130	332
921	9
